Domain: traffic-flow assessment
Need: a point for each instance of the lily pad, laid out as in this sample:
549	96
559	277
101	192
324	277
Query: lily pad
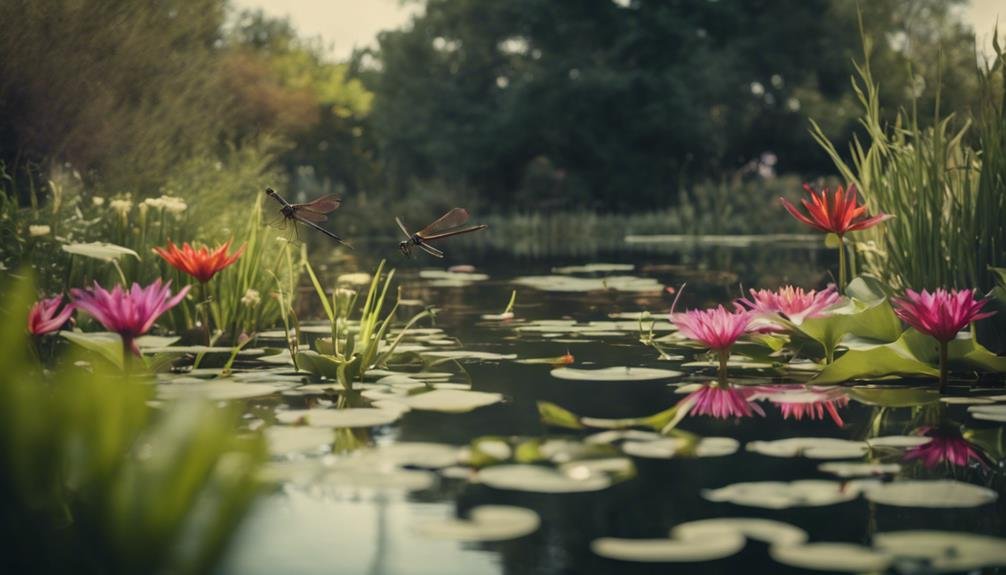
337	418
560	283
942	493
811	447
594	268
850	469
844	557
783	495
620	373
944	551
539	479
669	447
668	550
283	439
450	400
764	530
898	441
484	523
215	390
988	412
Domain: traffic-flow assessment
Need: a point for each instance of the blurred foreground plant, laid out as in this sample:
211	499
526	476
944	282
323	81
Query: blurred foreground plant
93	480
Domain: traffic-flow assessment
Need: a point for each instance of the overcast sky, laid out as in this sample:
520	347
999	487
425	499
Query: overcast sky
348	24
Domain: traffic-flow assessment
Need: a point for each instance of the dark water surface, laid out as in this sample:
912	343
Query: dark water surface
316	528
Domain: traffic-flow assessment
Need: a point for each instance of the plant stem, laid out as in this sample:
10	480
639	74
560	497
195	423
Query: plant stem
841	265
204	308
724	355
943	365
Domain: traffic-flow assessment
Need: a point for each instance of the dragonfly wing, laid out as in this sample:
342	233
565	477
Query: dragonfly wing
456	232
432	250
279	222
451	219
322	205
402	227
307	215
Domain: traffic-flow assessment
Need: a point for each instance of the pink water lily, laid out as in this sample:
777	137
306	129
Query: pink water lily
716	328
46	316
128	313
946	446
795	303
721	401
940	314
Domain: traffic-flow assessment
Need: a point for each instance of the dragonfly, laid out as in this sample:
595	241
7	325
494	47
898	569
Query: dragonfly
310	214
445	226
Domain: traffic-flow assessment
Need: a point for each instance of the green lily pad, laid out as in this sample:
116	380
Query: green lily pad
824	556
943	493
620	373
539	479
944	551
484	523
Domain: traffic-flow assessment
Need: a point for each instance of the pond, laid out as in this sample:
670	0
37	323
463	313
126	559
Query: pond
472	484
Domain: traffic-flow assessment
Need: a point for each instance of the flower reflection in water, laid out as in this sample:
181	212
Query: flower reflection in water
798	403
722	401
947	446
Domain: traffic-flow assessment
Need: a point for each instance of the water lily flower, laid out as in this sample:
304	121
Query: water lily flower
46	316
940	314
838	214
722	401
947	445
793	302
128	313
716	328
201	263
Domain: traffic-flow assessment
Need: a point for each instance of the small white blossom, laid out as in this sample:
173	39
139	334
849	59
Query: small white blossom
41	230
251	298
122	206
98	201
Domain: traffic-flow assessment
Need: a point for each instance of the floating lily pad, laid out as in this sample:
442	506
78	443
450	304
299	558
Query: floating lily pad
783	495
356	279
336	418
539	479
463	354
988	412
811	447
484	523
849	469
594	268
560	283
945	551
942	493
669	447
450	400
764	530
283	439
668	550
620	373
214	390
959	400
844	557
899	441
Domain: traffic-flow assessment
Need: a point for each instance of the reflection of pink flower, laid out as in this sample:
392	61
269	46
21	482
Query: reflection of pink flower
792	302
128	313
721	401
942	313
814	409
46	317
717	328
946	446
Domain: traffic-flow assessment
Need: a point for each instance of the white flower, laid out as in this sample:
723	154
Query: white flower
169	204
121	206
98	201
36	231
251	298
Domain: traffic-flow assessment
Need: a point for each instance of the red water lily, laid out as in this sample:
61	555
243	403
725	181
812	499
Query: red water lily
201	263
837	214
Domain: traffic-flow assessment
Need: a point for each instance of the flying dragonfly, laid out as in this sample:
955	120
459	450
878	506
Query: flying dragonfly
310	214
444	227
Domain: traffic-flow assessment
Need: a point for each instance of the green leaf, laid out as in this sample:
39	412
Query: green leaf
319	364
968	351
867	289
107	345
898	358
552	414
100	251
875	321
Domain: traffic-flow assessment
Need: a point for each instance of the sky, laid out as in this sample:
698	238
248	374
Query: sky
348	24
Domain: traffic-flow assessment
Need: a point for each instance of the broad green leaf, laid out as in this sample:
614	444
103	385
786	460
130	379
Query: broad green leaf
867	289
319	364
107	345
898	358
552	414
875	321
100	251
966	350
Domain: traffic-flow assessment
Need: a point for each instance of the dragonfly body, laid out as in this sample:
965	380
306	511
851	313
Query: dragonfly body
309	214
446	226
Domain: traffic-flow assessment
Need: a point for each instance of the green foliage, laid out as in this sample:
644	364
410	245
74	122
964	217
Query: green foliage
948	197
355	347
95	481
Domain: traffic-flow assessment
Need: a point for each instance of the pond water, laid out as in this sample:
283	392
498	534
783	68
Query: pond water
385	508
